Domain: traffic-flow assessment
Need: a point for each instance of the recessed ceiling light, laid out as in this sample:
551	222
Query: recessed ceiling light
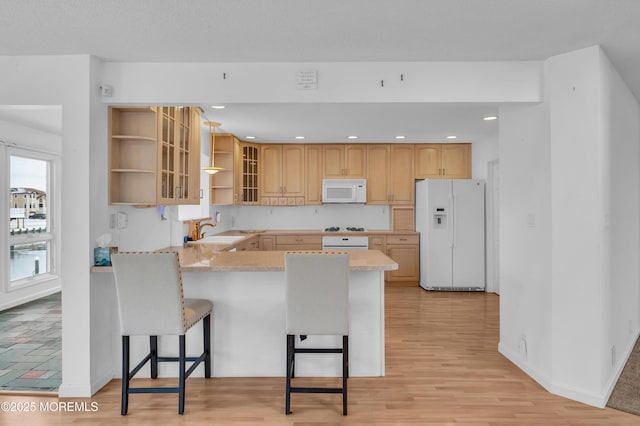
299	137
217	106
490	117
400	137
250	137
451	137
352	137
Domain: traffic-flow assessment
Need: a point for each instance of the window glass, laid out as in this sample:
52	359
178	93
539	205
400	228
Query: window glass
30	234
28	260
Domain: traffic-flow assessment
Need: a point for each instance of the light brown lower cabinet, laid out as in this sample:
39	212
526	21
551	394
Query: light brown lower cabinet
267	242
298	242
404	249
249	244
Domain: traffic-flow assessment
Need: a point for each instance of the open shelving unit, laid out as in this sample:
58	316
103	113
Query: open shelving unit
221	183
132	156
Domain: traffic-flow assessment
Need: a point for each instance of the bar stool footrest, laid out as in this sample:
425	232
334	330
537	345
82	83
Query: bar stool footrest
316	390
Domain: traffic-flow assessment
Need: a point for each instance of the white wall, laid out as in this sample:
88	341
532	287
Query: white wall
514	81
570	284
525	239
303	217
577	198
621	307
25	136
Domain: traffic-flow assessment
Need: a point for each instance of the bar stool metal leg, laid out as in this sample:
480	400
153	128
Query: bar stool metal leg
153	346
345	372
182	378
206	328
124	399
290	355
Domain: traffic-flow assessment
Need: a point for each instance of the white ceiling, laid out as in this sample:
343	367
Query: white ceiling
329	31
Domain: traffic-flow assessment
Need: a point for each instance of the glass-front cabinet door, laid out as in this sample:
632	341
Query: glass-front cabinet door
184	151
249	174
167	155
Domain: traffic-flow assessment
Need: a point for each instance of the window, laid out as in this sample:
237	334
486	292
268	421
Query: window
32	239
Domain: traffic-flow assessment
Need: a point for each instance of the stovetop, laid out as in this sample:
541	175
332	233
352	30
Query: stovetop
347	229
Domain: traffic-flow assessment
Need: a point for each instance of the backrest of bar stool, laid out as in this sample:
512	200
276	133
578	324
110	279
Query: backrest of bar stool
317	293
150	294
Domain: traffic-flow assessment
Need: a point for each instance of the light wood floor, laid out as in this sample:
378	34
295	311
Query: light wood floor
442	367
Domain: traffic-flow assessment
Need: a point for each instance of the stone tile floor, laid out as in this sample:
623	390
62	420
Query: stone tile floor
31	346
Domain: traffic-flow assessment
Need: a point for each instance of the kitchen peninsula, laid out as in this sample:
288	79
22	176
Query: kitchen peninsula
247	289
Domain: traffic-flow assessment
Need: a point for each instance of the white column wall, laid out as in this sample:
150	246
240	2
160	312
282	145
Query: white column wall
525	239
621	306
64	80
571	284
577	242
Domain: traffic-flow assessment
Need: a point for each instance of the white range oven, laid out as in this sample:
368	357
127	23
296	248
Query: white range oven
344	242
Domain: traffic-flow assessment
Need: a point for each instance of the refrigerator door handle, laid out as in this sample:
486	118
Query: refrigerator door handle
450	222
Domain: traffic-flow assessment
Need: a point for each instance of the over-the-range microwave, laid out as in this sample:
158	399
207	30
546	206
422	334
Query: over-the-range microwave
344	190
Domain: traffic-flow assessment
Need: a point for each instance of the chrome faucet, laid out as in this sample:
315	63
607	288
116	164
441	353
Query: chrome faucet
199	226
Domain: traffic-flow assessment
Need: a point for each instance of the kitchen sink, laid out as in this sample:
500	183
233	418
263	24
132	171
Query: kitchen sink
219	239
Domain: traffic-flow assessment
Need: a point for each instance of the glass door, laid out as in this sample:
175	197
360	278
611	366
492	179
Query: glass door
167	166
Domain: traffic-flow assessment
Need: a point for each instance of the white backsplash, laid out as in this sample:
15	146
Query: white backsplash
302	217
147	229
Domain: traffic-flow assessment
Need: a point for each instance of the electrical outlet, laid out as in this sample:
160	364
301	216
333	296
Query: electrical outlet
523	346
122	220
613	354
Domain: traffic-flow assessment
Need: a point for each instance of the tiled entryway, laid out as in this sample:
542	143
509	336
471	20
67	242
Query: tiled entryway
31	346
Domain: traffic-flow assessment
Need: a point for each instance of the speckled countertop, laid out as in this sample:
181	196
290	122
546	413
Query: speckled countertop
217	258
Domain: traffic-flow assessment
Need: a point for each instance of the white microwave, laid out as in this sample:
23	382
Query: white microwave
344	190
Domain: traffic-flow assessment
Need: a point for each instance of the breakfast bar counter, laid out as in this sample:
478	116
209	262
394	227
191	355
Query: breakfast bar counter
248	322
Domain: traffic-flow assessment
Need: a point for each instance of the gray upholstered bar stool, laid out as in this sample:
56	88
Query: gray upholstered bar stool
317	303
151	303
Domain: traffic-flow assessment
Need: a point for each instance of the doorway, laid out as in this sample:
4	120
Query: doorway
30	287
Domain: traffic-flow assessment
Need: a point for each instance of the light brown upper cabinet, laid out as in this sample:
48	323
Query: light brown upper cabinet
378	172
154	155
247	167
224	148
401	176
313	175
282	177
443	161
344	161
390	174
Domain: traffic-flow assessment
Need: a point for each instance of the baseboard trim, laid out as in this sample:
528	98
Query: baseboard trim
74	390
515	357
546	382
100	383
30	297
617	371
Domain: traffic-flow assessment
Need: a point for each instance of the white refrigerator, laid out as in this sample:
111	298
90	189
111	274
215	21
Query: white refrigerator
450	219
